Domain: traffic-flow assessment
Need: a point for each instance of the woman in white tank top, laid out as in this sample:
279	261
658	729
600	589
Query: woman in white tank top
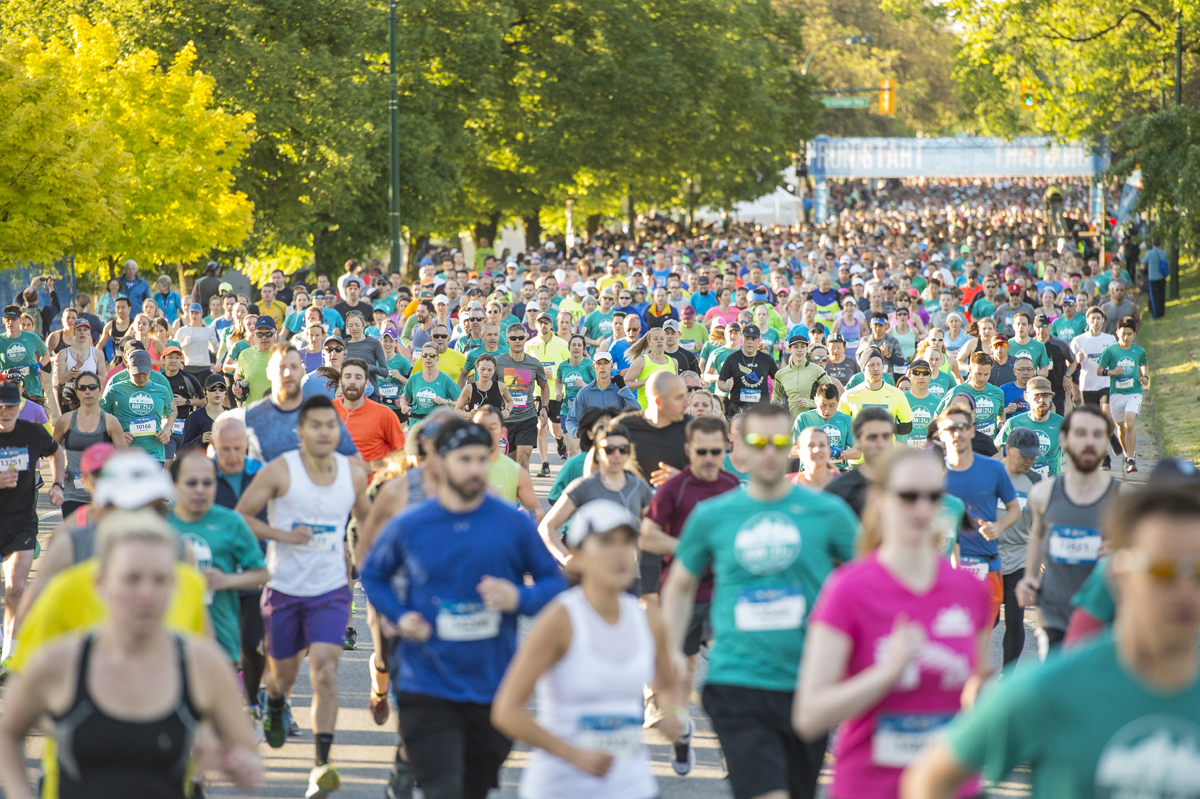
589	654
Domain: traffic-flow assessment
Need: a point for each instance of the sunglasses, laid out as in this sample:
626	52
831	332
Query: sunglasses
429	355
613	449
475	319
439	336
920	373
1163	570
715	452
88	387
759	441
517	338
264	333
216	389
961	427
335	349
820	358
912	497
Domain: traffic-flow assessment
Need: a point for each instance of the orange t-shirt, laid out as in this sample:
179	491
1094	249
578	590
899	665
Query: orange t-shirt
375	429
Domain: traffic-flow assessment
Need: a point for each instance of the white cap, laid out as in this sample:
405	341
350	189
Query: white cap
560	275
598	517
856	281
845	259
591	284
532	306
580	289
937	256
132	480
858	269
440	299
603	355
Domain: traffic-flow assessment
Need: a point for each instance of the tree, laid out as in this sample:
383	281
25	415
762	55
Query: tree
63	178
181	150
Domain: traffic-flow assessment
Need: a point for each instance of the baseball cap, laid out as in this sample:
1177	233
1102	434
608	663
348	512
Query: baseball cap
336	339
1180	469
1014	288
836	337
139	363
12	312
797	338
83	323
879	319
758	295
95	456
214	380
1068	299
1040	385
581	289
702	280
920	363
441	299
1041	319
265	323
10	394
171	351
1024	441
597	518
544	315
132	480
225	287
1000	338
751	331
857	281
603	355
195	306
671	324
688	312
533	306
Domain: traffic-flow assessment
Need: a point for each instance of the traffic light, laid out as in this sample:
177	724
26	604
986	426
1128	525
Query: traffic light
1028	96
887	97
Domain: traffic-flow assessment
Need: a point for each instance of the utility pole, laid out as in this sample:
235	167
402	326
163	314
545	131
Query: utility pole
394	141
1173	257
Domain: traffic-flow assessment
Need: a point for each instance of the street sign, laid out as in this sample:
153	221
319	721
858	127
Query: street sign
846	102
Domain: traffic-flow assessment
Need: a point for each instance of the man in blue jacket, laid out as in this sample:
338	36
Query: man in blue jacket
447	577
134	287
600	393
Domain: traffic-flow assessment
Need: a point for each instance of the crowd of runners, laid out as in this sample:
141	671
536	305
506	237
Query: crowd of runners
826	460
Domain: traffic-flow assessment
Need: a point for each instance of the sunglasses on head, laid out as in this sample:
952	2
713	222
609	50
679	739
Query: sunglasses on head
759	441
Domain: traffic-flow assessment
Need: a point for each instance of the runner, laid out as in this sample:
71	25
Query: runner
1128	370
428	388
79	429
375	429
984	486
1087	348
874	431
485	390
812	450
551	350
198	341
188	396
123	736
251	371
1020	451
22	445
874	391
1064	536
523	374
142	406
896	636
506	478
837	425
22	354
745	372
79	356
766	573
798	383
647	357
921	401
198	430
589	654
464	557
1039	394
1136	741
310	492
574	373
987	398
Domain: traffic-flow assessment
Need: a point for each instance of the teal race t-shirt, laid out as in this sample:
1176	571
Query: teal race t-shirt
923	411
1049	463
23	352
1114	358
989	404
141	410
769	560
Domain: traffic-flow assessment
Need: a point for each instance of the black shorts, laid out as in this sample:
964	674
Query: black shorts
452	747
18	532
763	752
699	628
522	434
650	571
250	621
555	410
1095	397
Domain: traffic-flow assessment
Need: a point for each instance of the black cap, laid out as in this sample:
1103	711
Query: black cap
797	338
836	337
751	331
214	380
12	312
10	394
1175	469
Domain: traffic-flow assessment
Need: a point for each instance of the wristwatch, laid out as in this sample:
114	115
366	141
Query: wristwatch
60	485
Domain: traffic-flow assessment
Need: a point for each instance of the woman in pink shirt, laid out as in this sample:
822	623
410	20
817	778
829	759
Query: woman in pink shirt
723	312
897	640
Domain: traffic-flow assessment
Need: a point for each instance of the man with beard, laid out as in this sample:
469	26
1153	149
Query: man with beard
373	427
462	559
1064	534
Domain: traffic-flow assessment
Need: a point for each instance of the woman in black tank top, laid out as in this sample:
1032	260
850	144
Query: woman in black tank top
485	390
126	699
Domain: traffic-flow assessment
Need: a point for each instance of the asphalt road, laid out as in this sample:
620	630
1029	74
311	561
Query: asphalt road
364	752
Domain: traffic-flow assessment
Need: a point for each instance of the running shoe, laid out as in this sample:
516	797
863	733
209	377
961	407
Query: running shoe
293	729
685	755
400	782
275	727
1130	465
322	781
562	448
545	472
256	722
351	642
379	708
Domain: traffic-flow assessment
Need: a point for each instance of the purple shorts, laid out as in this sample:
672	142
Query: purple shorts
291	623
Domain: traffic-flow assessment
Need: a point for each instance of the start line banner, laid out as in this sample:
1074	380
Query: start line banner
966	157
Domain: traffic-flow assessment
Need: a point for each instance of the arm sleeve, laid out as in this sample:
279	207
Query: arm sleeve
383	561
548	579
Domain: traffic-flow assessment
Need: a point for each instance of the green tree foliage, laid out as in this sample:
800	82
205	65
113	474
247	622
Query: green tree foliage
63	177
1094	64
913	50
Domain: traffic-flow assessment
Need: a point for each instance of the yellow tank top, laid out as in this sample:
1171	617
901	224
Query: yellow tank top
649	367
503	474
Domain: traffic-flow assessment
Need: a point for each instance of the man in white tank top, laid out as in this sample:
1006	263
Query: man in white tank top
309	492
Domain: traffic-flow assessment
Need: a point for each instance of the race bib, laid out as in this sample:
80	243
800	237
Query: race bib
1042	468
467	621
899	738
326	538
14	458
619	736
976	567
389	390
688	344
143	426
764	609
177	427
1124	382
749	395
78	483
1074	546
902	369
520	399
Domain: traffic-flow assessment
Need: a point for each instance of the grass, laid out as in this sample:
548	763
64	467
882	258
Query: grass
1173	347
